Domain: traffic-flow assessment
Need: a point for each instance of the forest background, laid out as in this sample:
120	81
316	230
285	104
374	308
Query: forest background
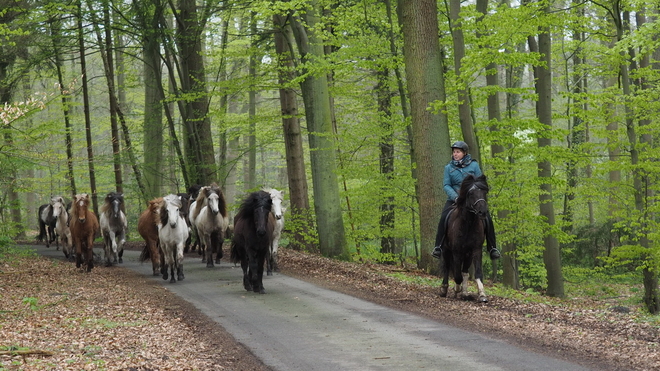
350	106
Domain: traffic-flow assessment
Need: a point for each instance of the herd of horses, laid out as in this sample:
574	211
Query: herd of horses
170	223
171	226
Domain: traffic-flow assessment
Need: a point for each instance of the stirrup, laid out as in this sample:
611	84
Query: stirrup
437	252
495	253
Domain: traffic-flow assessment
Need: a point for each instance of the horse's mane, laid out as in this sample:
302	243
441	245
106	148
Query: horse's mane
469	182
204	193
56	199
74	208
108	201
251	202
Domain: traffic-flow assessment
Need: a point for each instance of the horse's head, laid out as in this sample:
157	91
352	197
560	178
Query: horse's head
472	195
262	206
169	210
277	197
57	204
115	202
215	199
80	206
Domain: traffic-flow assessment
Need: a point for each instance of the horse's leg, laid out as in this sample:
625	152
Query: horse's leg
445	274
246	273
478	276
106	248
90	252
113	245
458	276
156	257
120	247
269	261
209	250
260	273
79	259
179	261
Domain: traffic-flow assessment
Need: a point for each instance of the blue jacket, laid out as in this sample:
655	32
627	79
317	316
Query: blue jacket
455	172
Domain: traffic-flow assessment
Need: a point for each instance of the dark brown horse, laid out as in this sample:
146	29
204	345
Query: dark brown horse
253	232
148	229
84	227
465	237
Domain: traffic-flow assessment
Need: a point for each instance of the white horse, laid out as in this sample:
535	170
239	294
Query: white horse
278	212
62	231
211	222
113	227
172	234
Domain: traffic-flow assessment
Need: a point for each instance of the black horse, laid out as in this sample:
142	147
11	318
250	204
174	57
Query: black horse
253	233
465	237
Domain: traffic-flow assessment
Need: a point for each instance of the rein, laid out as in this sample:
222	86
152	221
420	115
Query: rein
472	208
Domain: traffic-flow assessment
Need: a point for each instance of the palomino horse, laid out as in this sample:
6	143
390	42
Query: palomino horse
148	229
278	212
465	237
211	222
253	233
47	221
84	226
172	233
62	230
113	227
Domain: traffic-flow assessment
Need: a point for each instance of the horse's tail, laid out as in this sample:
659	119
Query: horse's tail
235	255
145	254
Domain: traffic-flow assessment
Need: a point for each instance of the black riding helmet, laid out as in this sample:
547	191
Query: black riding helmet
461	145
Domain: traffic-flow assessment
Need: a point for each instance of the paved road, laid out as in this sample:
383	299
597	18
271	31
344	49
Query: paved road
299	326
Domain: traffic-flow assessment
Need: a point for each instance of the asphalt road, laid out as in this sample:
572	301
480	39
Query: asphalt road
300	326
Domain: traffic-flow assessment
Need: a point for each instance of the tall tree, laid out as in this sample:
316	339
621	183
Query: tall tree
543	75
424	74
316	96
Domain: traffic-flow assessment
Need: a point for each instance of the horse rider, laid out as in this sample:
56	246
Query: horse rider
456	170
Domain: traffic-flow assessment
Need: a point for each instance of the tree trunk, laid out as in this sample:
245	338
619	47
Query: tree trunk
425	78
316	96
293	141
464	109
88	120
551	254
384	97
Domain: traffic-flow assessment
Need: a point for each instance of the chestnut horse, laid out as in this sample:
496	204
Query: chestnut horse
253	233
148	229
83	226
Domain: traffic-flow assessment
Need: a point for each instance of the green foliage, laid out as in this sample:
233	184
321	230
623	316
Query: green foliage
32	302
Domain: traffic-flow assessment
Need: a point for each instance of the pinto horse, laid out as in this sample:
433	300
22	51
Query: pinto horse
193	239
84	226
62	231
278	212
47	220
148	229
113	227
465	237
211	222
172	233
253	232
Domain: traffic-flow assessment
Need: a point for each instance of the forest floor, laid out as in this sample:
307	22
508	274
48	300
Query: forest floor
50	318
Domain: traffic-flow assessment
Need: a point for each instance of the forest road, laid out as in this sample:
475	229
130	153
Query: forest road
300	326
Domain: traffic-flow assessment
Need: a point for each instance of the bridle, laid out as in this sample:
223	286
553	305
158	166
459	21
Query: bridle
472	208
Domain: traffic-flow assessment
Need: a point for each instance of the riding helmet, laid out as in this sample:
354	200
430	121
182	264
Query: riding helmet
460	145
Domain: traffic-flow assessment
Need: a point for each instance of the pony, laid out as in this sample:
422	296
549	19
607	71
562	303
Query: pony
193	193
62	230
113	227
211	222
84	226
278	212
253	233
172	233
148	229
47	221
465	237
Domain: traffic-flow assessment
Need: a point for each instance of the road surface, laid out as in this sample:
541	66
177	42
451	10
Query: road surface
299	326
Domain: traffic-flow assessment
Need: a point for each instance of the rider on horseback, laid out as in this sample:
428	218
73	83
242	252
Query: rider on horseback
458	168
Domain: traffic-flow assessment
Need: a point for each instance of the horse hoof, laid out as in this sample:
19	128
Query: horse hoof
209	264
262	291
180	277
269	273
172	280
165	276
483	299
